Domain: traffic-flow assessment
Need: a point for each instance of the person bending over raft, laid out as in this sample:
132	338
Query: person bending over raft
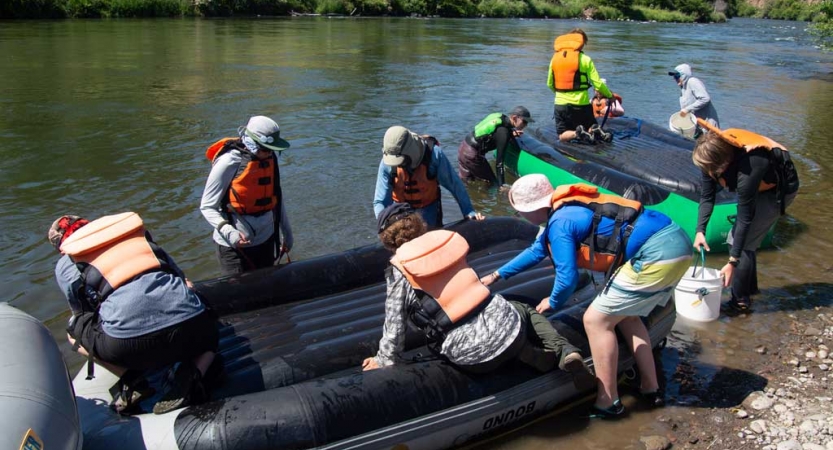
242	199
430	282
132	307
412	169
761	172
643	252
570	75
492	133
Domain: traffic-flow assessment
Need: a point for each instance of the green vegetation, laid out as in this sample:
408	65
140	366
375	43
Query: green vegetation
645	10
823	25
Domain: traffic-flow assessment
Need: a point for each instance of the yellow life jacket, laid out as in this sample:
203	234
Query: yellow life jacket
449	290
787	176
599	253
110	252
565	64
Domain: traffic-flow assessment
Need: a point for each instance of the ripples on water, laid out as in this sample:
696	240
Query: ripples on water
100	117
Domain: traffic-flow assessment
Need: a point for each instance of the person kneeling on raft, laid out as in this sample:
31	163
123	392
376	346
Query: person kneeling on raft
132	307
474	329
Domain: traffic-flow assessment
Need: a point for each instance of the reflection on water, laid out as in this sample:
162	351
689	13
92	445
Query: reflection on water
99	117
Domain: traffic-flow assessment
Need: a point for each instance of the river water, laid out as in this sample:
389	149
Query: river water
100	117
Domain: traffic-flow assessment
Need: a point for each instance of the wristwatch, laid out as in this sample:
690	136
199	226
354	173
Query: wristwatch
733	261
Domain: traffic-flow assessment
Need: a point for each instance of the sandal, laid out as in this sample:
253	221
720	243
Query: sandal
185	389
742	304
613	412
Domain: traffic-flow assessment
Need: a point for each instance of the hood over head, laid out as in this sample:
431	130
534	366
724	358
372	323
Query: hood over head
684	70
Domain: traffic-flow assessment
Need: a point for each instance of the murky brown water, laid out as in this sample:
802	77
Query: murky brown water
99	117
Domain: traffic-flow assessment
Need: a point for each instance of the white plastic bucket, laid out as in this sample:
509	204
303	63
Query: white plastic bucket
685	126
697	295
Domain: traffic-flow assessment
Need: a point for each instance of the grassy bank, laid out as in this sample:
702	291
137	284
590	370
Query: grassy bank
647	10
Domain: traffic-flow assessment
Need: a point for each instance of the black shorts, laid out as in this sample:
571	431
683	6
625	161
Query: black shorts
569	117
179	342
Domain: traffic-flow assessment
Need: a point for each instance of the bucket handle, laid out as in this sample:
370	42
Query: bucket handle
702	262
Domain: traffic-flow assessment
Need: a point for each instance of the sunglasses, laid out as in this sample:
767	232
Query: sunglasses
676	76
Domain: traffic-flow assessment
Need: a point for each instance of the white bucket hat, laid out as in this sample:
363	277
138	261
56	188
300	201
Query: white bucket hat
531	193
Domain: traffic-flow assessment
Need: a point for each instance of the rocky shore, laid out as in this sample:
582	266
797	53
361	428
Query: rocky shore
785	402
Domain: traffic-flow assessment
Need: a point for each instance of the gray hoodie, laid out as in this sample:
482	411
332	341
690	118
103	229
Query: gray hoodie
694	98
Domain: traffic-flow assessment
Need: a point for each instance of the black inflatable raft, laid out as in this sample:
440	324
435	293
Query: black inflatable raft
293	339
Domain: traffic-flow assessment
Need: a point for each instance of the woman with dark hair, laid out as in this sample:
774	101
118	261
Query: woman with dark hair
761	172
430	284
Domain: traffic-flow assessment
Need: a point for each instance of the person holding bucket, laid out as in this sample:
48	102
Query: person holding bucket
694	98
761	172
643	252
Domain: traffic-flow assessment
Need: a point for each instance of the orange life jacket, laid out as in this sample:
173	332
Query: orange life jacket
599	253
449	290
419	188
565	64
600	105
255	188
787	176
110	252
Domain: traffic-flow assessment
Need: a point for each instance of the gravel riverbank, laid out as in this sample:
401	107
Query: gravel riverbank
783	402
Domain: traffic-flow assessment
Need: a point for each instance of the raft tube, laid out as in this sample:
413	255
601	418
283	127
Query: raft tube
644	162
36	399
293	339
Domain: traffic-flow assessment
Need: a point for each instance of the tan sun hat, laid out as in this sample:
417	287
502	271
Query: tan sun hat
531	193
401	145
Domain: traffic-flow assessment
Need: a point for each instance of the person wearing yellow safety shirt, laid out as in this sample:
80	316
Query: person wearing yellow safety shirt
570	74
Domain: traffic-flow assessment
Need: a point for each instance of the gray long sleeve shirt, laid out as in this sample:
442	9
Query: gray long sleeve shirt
257	229
694	98
476	340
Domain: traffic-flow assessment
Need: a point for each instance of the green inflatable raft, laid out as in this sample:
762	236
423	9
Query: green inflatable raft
644	162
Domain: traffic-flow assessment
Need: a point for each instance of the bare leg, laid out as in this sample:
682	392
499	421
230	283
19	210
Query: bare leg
636	336
568	135
115	370
601	333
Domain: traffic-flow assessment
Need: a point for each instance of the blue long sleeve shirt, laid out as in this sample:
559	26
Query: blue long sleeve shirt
149	303
447	178
566	228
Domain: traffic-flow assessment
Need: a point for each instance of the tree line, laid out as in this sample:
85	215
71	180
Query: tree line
642	10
